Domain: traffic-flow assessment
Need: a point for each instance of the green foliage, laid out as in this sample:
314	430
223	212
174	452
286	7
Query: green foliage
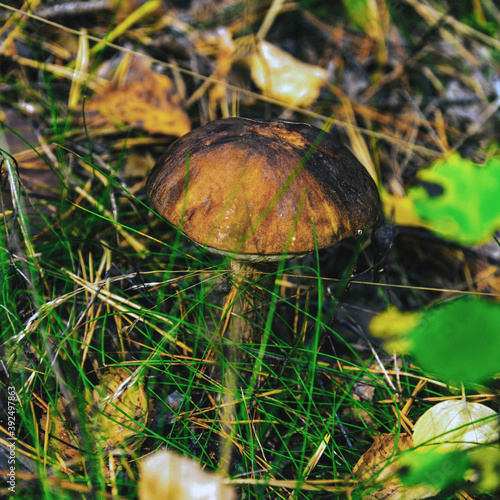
459	340
434	469
486	463
468	209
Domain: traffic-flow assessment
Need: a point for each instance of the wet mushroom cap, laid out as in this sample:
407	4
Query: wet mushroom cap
253	189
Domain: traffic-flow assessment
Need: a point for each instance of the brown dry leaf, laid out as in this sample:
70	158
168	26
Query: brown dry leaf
280	76
167	475
376	457
142	99
379	466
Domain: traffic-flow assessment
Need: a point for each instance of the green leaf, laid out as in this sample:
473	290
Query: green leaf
434	469
459	341
486	462
468	209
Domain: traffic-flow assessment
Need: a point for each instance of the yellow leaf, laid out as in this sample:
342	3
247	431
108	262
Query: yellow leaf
393	326
123	409
399	210
280	76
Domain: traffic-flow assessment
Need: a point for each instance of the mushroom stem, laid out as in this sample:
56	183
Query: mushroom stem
247	317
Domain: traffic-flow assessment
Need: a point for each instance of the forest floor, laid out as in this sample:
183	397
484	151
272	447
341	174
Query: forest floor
114	325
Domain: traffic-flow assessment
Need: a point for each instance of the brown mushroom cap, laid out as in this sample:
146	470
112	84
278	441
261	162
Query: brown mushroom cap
253	189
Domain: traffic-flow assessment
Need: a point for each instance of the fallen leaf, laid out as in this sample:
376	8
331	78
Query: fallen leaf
380	454
218	42
458	200
443	438
166	475
488	278
378	470
142	99
123	411
280	76
123	407
137	165
453	425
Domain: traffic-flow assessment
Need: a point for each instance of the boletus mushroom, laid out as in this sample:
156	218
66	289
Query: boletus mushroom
262	191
